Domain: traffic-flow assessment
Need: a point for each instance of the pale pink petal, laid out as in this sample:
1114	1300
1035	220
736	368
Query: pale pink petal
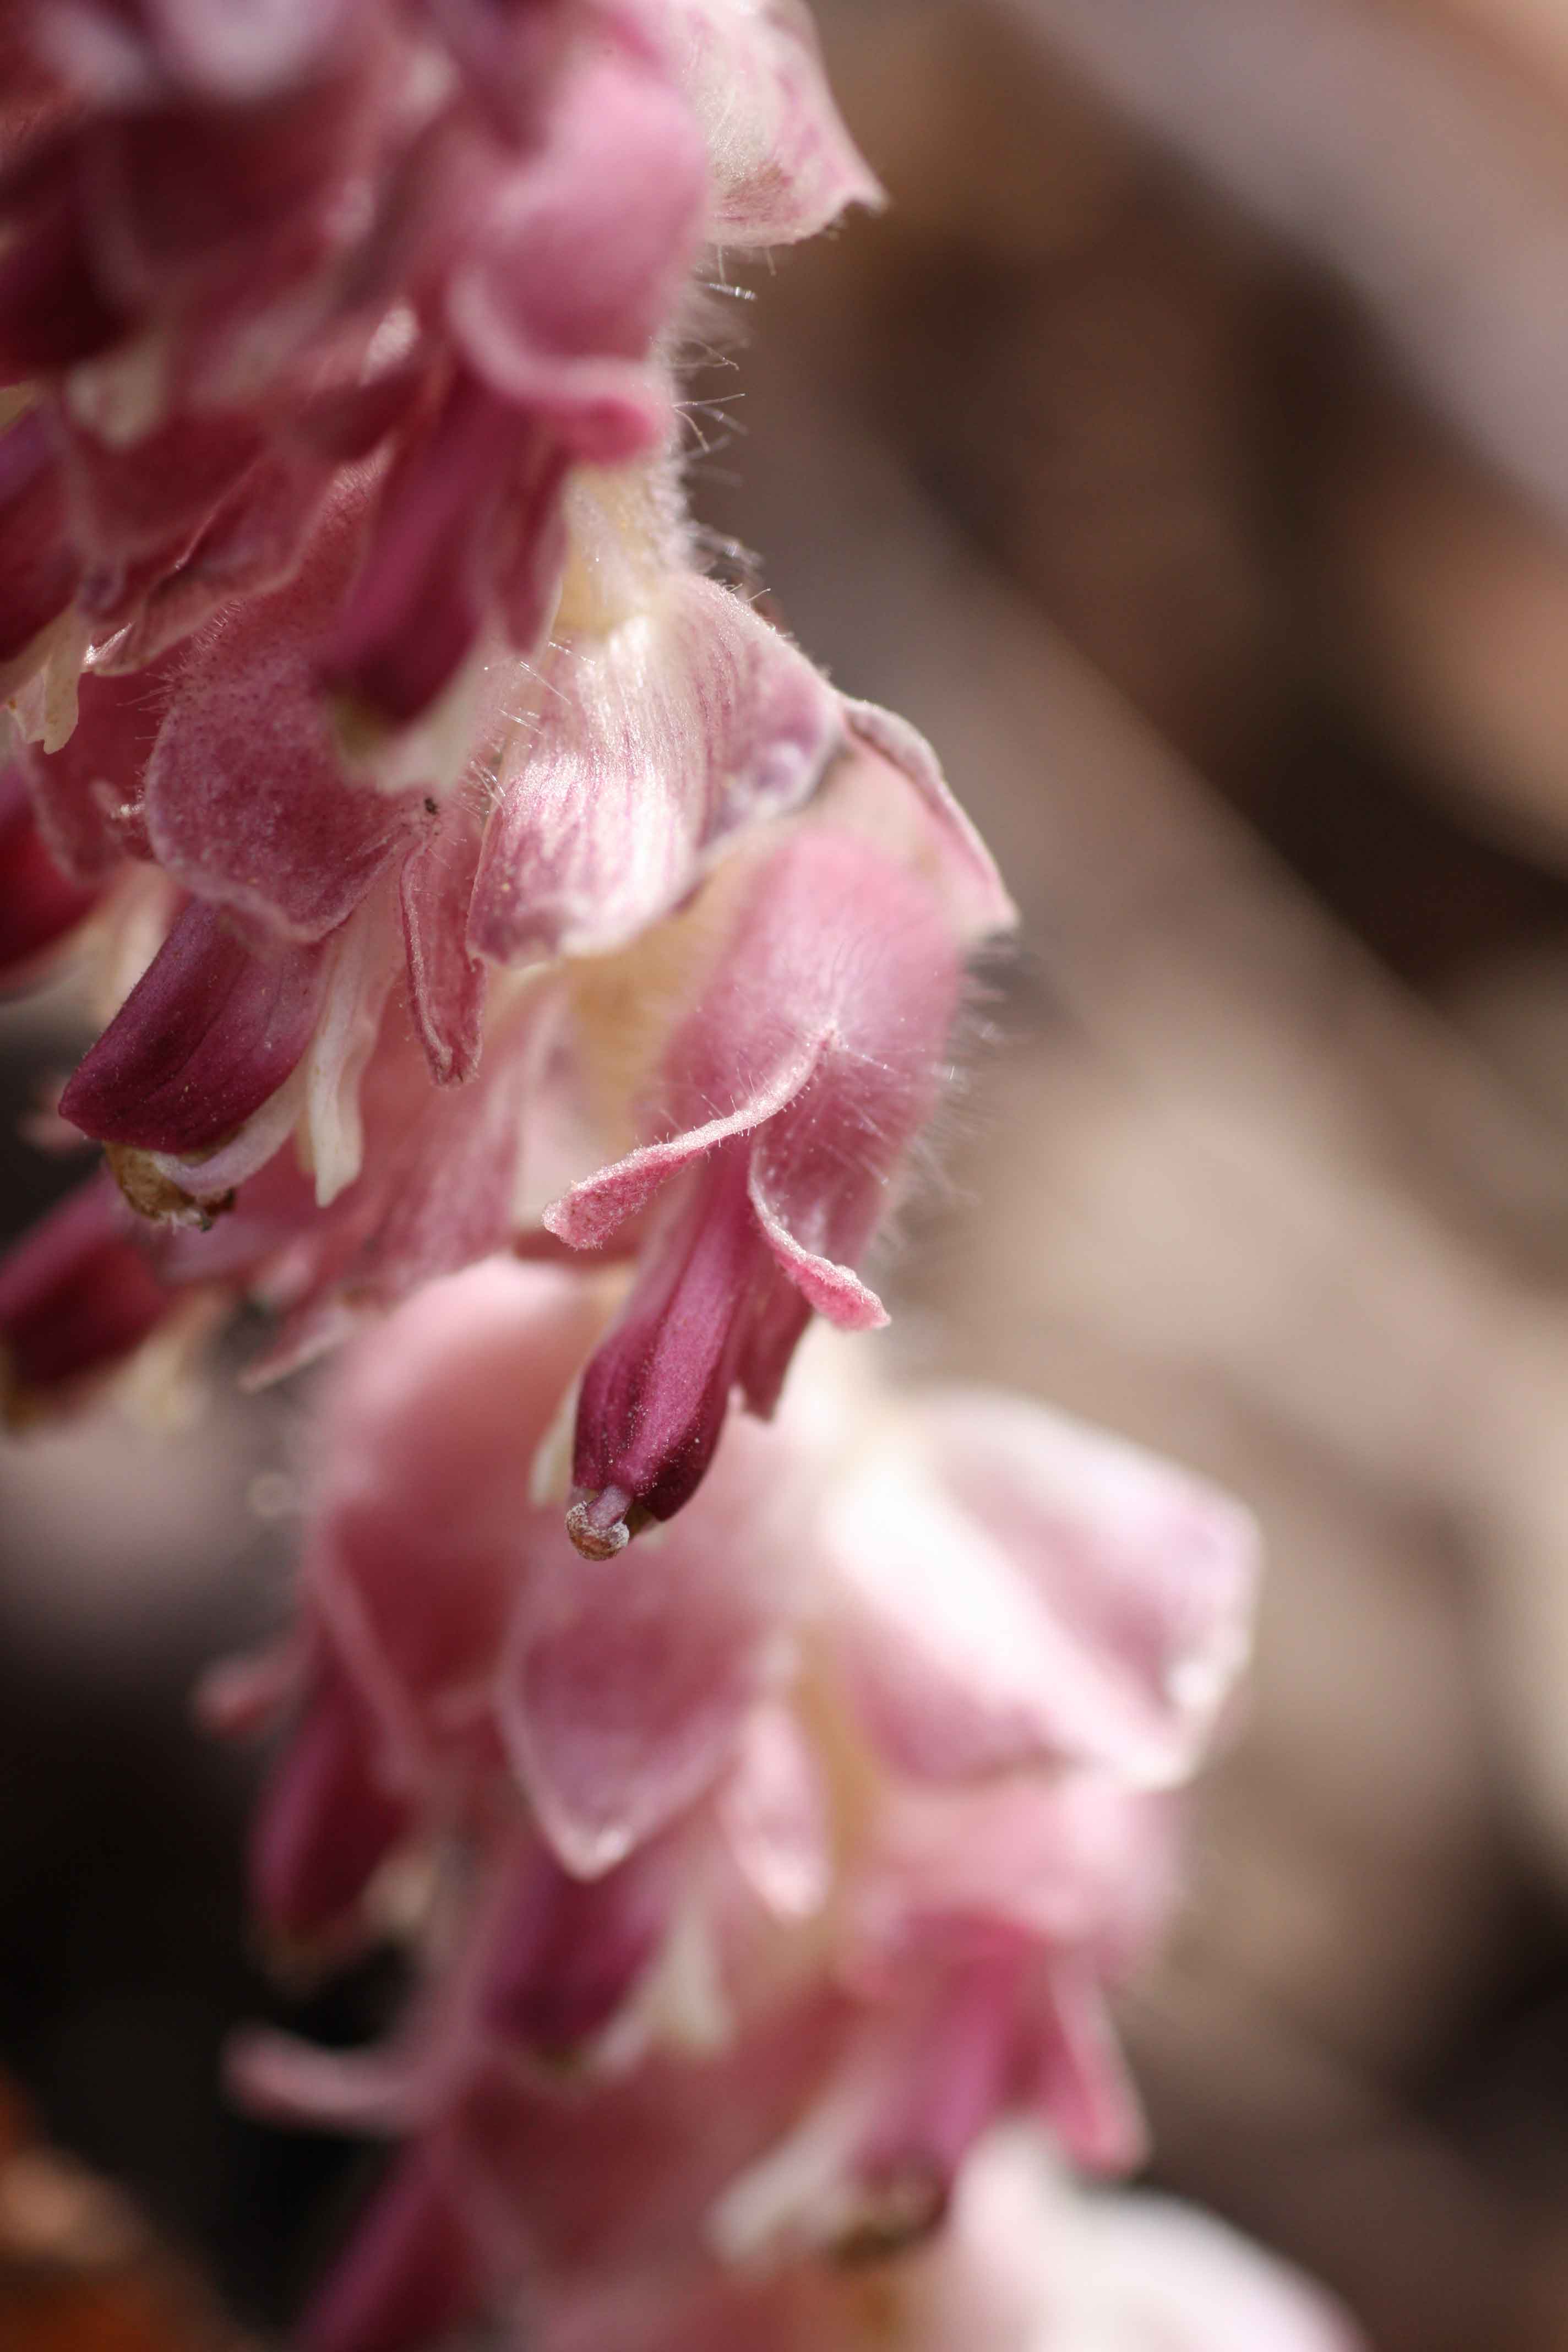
836	950
1017	1588
654	744
891	785
772	1810
1151	1567
445	983
247	801
627	1682
1175	2279
1076	1860
1031	2265
783	165
835	1292
594	1210
584	253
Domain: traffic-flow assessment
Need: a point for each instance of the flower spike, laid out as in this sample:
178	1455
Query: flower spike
549	977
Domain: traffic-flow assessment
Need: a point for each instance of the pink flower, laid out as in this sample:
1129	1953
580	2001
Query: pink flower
690	1830
786	1102
247	259
452	1633
783	166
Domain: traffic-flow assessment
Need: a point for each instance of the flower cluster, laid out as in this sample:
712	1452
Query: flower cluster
762	1875
439	830
515	958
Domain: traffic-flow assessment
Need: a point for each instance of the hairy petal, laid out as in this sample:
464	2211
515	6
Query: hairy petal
783	163
247	801
891	786
653	745
583	253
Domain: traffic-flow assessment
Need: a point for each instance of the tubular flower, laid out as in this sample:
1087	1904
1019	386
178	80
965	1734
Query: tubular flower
511	957
786	1100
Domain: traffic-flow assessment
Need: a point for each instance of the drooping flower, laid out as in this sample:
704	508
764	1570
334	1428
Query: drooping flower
448	244
786	1100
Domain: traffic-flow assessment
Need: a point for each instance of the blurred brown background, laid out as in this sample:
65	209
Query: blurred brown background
1186	451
